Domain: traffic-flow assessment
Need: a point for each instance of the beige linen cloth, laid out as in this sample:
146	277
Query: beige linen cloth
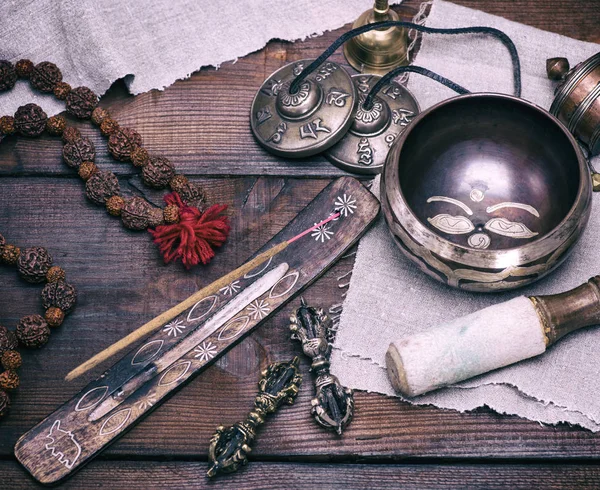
390	297
151	42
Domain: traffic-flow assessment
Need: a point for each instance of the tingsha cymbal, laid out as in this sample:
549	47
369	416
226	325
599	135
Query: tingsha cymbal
365	146
317	116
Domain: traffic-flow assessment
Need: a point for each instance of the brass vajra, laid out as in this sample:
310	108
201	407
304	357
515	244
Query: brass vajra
229	447
333	405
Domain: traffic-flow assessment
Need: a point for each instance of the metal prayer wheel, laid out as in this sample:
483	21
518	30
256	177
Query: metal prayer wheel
577	98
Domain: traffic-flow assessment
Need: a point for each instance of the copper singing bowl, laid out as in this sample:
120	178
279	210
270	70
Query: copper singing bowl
486	192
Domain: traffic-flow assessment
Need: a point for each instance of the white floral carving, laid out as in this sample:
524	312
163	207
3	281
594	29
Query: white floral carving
231	289
345	205
258	309
174	328
205	351
147	402
322	233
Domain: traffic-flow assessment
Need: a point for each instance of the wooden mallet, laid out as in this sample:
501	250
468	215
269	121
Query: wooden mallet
489	339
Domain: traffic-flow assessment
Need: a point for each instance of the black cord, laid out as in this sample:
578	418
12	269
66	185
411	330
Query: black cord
514	55
368	104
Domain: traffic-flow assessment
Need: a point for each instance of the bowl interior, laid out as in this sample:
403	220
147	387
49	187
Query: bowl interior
488	172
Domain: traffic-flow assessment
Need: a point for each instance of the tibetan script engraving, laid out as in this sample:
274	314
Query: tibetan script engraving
365	152
390	138
402	116
325	71
273	88
298	67
310	130
278	134
393	91
336	97
263	115
363	84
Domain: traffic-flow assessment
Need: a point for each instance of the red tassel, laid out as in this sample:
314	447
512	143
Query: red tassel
192	239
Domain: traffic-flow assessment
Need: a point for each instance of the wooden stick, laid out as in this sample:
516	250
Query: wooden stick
168	315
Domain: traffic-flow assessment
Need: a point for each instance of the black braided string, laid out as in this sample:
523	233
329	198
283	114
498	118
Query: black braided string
514	55
370	99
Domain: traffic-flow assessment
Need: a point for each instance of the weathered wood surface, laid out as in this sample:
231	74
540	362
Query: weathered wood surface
183	475
122	285
290	271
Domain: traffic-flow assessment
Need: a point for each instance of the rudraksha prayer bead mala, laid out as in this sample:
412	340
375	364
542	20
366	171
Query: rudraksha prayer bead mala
33	331
183	229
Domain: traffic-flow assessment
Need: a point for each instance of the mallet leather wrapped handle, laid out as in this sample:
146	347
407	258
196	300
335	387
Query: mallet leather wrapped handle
489	339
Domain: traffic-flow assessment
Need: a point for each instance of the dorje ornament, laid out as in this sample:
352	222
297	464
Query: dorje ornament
333	404
373	131
229	447
309	121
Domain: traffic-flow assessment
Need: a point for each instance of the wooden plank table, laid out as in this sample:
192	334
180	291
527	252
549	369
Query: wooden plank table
202	125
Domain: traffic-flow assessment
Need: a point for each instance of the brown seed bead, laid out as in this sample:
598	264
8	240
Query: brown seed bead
62	90
192	194
56	125
9	380
122	142
155	217
2	243
60	294
70	134
79	151
8	341
81	102
158	172
86	170
136	214
101	186
178	182
55	273
4	403
11	359
171	213
7	125
10	254
109	126
32	331
8	75
45	76
24	68
99	115
54	316
114	205
34	263
30	120
140	156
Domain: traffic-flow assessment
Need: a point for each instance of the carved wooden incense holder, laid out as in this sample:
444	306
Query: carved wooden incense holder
107	407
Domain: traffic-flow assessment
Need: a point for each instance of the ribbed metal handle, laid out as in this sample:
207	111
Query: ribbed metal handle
569	311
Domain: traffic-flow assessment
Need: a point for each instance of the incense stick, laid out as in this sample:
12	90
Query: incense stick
168	315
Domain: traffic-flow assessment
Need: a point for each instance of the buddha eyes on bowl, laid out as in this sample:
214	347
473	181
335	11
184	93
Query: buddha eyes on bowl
461	225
